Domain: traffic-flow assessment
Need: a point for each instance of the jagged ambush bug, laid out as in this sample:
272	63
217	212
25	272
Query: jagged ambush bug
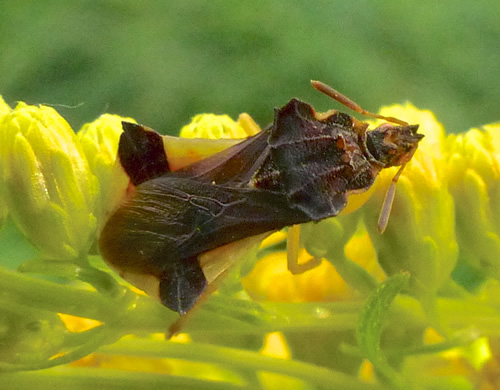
169	232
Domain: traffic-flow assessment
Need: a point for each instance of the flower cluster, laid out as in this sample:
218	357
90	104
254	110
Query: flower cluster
474	182
47	185
380	307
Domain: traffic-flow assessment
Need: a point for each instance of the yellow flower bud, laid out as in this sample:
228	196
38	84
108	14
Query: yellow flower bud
214	127
474	165
420	237
99	140
49	189
4	109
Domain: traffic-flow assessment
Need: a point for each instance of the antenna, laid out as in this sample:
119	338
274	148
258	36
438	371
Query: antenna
383	219
342	99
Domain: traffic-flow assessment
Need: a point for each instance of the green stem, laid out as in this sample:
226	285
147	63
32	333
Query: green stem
354	274
95	338
135	314
88	378
100	280
149	316
55	297
238	359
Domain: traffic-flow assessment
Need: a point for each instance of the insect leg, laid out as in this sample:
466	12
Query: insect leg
342	99
293	248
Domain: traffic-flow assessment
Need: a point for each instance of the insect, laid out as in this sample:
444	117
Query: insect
301	168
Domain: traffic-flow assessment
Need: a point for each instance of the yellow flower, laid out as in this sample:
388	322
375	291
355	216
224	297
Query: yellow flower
271	280
99	140
474	166
219	126
49	189
420	237
4	109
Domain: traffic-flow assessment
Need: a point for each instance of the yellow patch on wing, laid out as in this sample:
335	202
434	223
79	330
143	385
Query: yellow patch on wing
182	152
217	261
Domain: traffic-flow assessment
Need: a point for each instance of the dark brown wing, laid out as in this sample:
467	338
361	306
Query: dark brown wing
141	153
236	164
171	220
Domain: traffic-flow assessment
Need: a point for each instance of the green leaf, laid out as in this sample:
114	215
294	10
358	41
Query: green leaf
369	330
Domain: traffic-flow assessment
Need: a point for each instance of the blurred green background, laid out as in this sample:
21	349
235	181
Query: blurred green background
162	62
